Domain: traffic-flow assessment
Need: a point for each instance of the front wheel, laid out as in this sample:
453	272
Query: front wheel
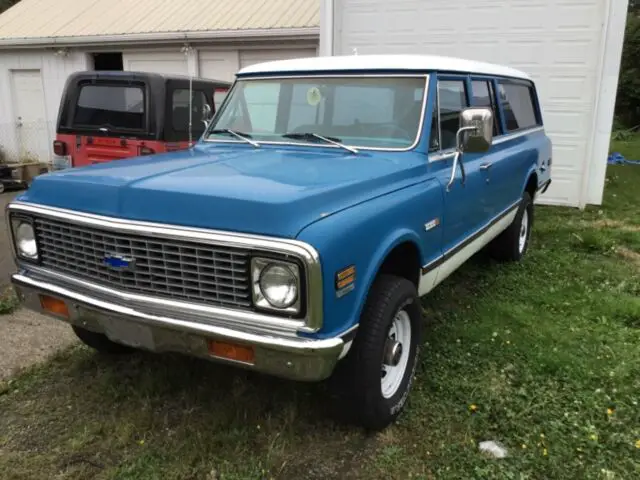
378	371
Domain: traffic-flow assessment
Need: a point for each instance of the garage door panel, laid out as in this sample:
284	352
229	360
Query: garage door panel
170	63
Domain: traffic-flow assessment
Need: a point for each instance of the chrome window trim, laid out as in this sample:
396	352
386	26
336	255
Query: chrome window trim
521	133
446	154
312	322
415	143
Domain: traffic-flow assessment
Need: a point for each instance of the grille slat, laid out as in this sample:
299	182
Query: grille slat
182	270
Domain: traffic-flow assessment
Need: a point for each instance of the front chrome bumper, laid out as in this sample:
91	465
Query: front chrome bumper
289	357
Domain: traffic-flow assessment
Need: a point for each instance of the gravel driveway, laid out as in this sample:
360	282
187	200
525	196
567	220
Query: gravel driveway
26	338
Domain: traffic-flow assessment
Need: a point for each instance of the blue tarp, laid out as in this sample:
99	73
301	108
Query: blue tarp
617	158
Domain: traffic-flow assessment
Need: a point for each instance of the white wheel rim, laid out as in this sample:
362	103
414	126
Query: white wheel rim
524	227
391	376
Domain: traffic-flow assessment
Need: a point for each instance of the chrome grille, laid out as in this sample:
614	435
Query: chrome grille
178	269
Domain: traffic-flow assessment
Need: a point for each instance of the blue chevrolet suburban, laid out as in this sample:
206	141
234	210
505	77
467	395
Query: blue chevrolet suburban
326	196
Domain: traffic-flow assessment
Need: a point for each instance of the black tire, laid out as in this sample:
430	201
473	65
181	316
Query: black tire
506	247
100	342
359	376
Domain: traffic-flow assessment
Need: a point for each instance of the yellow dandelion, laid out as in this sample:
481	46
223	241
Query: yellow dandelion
524	445
473	407
609	411
545	452
637	443
593	437
141	442
542	435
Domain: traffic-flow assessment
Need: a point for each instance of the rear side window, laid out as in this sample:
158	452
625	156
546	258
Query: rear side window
114	107
518	106
482	96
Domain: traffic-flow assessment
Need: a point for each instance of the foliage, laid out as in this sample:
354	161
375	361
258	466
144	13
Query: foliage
628	99
4	4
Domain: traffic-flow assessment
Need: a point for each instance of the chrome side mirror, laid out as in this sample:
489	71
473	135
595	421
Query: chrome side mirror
476	130
475	135
206	114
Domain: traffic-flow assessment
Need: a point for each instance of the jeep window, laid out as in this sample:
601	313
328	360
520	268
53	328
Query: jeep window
517	105
381	112
452	99
482	96
115	107
180	110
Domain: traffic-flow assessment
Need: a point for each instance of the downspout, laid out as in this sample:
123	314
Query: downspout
327	9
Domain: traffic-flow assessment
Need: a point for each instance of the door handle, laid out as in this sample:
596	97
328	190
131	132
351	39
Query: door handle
485	166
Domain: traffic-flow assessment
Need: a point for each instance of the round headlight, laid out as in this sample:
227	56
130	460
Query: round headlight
279	286
26	241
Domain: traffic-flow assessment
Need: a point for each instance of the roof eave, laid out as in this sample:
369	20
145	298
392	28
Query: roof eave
161	37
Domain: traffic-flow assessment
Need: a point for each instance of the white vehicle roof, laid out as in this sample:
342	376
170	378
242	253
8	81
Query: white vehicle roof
407	63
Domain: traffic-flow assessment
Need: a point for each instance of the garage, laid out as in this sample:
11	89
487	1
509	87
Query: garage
571	49
41	43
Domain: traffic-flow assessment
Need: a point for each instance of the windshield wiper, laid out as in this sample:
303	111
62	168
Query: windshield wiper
311	136
241	135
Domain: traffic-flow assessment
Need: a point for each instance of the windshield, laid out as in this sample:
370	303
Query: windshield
380	112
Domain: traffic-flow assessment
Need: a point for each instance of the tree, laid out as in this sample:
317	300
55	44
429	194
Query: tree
628	98
4	4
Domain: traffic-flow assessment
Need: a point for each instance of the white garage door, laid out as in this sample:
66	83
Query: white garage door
558	43
171	63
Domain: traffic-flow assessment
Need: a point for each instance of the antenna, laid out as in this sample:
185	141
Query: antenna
186	49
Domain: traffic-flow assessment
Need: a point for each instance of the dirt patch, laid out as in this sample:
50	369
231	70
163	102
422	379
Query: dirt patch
27	338
606	223
629	255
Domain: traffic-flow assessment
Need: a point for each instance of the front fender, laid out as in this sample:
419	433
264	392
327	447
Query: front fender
363	236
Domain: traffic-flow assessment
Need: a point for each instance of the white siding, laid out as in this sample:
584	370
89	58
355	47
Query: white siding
54	70
560	44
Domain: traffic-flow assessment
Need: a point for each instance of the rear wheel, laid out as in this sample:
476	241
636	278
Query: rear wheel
100	342
512	244
377	374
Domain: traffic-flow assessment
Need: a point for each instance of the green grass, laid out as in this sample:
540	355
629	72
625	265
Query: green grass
547	350
8	301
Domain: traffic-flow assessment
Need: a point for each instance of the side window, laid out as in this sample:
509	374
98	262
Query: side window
482	96
180	110
452	99
517	105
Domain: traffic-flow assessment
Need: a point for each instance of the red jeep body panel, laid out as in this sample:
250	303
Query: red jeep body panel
106	116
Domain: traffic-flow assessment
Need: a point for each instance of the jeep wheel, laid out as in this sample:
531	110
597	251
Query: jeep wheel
100	342
512	244
378	371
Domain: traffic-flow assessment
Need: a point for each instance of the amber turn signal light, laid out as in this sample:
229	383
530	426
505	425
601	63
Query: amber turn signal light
54	305
231	351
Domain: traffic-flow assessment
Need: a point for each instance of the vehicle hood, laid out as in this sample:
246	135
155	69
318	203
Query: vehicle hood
269	191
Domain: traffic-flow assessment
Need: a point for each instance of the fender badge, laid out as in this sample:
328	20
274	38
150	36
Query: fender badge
431	224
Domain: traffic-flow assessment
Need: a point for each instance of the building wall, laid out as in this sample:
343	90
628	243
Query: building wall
571	48
205	61
53	71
